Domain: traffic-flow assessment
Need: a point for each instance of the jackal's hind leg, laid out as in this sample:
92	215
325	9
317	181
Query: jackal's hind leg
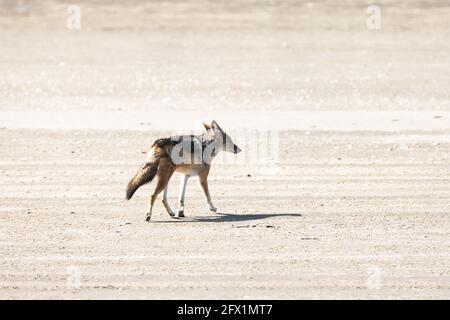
148	216
166	203
165	171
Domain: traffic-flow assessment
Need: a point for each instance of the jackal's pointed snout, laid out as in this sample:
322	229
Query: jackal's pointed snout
236	149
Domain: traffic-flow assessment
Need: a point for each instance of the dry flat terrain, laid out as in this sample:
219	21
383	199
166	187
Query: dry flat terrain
357	205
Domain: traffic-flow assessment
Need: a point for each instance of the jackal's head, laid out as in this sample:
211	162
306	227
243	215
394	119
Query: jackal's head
222	140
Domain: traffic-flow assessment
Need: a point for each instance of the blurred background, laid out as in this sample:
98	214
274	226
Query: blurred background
224	55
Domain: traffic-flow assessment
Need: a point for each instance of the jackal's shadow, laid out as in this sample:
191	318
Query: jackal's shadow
230	217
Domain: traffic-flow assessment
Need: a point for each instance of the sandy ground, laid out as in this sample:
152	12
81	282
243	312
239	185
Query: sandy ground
356	207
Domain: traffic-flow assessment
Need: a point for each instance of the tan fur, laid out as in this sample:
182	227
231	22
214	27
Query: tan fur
203	179
165	170
161	163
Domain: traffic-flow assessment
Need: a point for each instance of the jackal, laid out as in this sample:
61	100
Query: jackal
190	155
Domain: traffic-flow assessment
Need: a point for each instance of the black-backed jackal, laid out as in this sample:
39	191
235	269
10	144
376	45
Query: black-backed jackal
190	155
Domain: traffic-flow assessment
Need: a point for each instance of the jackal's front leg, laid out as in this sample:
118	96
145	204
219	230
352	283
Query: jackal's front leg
204	185
183	184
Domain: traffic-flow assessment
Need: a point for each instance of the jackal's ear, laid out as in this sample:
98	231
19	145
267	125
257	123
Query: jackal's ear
207	126
215	126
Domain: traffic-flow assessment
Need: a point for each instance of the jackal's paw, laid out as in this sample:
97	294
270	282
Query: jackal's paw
213	209
181	214
171	213
148	217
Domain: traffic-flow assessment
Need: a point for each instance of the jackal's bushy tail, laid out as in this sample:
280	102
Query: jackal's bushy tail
145	174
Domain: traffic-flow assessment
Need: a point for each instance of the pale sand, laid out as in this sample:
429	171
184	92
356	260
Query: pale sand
358	206
315	229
